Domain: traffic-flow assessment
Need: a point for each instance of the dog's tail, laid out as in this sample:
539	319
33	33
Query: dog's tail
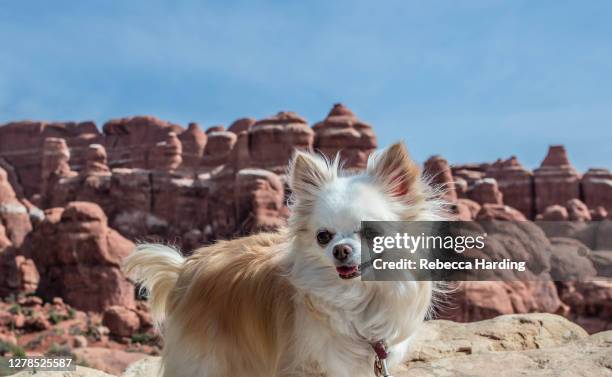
156	268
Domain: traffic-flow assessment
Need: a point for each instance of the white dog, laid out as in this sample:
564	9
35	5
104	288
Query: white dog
291	303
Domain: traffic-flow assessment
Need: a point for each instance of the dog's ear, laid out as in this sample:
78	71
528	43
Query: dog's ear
395	170
308	172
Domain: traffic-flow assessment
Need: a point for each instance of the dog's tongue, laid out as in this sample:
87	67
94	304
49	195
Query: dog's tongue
346	270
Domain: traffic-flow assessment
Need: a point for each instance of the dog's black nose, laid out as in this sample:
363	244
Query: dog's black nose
342	252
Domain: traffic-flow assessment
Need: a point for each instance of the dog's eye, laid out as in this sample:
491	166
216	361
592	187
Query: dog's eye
324	237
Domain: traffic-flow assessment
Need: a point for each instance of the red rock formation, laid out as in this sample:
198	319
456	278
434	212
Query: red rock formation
13	214
121	321
461	187
599	213
469	176
556	181
499	212
259	196
274	139
577	210
241	154
485	191
17	273
130	141
215	128
193	141
131	198
590	303
55	167
21	144
468	209
515	183
12	178
597	188
167	154
96	160
477	300
242	124
554	213
178	205
79	256
218	149
437	169
343	132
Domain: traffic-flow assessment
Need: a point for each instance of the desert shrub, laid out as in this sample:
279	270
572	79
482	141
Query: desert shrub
59	350
142	338
13	349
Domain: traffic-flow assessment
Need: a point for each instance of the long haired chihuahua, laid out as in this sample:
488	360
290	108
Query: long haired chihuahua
292	303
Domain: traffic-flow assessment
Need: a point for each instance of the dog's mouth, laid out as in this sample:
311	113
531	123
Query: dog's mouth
348	272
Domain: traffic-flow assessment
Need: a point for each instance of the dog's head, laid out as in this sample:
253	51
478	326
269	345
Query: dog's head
329	205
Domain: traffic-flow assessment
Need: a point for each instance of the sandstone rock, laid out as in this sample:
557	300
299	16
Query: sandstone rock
556	181
461	187
584	357
577	210
515	183
528	292
96	160
603	235
599	213
18	274
554	213
259	196
241	125
469	176
443	339
529	344
590	303
215	128
79	372
167	154
55	166
79	341
570	260
461	212
107	360
21	144
179	202
78	257
478	300
218	149
12	177
597	188
342	132
147	366
193	141
485	191
221	212
130	141
241	155
13	214
467	209
499	212
130	192
28	274
121	321
602	261
274	139
437	169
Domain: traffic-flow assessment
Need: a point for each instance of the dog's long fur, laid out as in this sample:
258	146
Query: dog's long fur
272	304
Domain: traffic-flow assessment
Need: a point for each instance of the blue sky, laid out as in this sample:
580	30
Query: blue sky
471	80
